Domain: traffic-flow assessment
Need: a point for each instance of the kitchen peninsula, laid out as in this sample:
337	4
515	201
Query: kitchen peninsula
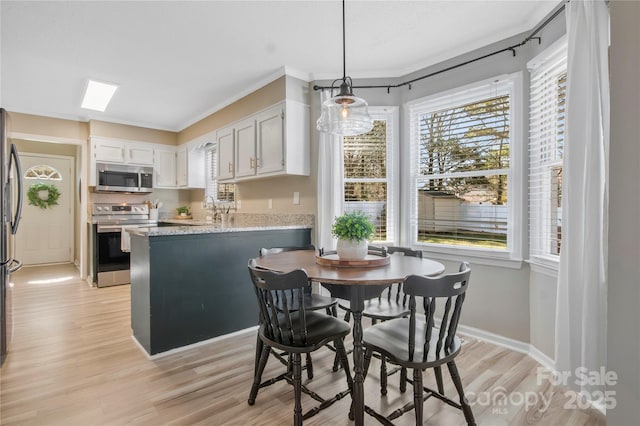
190	283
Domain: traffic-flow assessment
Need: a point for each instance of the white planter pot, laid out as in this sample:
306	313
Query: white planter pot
352	249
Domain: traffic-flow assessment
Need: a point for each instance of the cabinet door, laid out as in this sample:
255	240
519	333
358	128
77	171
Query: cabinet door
139	154
225	153
111	151
270	141
181	167
165	168
245	133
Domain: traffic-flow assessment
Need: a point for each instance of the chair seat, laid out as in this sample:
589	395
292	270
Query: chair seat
321	328
391	339
383	309
312	302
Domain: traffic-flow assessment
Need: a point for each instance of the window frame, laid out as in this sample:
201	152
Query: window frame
511	256
539	201
391	115
211	181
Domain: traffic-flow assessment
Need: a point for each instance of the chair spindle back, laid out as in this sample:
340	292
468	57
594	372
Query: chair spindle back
449	289
281	301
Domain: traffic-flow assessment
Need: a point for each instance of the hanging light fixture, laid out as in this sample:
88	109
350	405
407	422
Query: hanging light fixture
344	114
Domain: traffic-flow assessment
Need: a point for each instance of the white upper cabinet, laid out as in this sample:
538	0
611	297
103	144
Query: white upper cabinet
272	142
190	167
181	167
165	168
121	152
225	153
270	137
245	137
139	154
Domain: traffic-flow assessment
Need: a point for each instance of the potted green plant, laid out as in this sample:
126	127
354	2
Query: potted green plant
352	231
183	211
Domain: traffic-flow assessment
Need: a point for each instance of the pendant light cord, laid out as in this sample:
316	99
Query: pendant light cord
344	46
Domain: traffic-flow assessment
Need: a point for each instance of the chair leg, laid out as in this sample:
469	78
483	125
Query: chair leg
336	359
438	371
368	354
418	394
259	346
309	367
466	409
342	353
297	389
383	375
257	378
403	380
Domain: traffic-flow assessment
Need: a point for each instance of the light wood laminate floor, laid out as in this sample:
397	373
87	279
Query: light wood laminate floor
73	362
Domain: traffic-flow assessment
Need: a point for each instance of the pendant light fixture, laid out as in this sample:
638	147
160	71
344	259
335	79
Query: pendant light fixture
344	114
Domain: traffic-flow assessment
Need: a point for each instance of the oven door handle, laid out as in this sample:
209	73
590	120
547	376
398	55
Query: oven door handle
109	228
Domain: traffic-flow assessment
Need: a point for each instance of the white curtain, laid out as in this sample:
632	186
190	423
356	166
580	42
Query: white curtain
330	187
582	277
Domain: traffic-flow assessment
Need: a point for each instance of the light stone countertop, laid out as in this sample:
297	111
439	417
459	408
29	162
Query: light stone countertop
154	231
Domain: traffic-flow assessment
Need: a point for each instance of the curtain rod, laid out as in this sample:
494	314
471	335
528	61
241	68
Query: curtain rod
532	36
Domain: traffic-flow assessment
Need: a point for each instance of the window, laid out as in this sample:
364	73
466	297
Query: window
222	192
42	172
368	173
546	145
462	151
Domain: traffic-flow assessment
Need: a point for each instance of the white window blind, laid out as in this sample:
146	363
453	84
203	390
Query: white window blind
368	172
461	166
224	192
546	144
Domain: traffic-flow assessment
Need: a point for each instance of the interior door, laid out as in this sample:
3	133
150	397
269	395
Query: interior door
46	235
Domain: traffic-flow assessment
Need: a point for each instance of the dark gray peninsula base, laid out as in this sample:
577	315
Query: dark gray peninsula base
189	287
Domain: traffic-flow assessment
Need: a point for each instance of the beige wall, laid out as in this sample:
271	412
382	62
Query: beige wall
268	95
47	127
132	133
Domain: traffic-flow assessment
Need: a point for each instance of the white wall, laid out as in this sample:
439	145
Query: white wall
623	319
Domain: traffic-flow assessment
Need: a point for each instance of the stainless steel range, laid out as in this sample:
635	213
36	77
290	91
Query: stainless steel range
111	257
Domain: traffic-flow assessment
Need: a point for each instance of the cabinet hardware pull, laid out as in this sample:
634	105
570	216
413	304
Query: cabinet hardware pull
251	166
230	167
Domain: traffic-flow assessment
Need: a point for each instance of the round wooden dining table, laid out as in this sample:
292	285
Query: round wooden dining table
355	284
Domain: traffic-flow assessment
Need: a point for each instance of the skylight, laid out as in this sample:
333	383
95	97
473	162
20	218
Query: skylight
98	95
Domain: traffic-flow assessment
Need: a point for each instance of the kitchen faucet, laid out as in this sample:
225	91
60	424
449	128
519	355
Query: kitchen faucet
209	203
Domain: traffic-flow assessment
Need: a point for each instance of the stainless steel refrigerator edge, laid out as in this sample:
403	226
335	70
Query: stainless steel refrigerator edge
9	167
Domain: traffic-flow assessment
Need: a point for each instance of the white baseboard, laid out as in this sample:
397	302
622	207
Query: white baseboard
193	345
509	343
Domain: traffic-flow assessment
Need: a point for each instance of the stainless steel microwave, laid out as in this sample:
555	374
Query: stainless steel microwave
124	178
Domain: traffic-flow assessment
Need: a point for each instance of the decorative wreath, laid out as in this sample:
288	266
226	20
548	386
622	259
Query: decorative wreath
52	195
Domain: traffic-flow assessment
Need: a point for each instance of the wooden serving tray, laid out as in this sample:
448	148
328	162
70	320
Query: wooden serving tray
371	260
184	217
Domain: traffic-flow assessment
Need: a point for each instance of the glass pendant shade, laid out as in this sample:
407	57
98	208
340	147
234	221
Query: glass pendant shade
345	115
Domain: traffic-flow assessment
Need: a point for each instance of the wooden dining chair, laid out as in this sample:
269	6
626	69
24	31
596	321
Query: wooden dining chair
417	343
286	325
312	302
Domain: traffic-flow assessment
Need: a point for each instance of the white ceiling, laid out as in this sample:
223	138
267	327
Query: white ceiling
178	61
